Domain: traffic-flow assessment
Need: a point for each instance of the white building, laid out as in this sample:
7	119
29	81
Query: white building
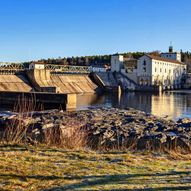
36	65
127	66
165	70
117	63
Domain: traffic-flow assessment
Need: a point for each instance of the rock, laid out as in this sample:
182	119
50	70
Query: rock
184	121
112	127
172	135
49	125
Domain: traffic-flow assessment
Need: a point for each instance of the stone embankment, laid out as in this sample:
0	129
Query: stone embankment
107	129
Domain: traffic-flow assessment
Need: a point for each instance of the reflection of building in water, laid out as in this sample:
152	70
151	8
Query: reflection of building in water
166	104
172	104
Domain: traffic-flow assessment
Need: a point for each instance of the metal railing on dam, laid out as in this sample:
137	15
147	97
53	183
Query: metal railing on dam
68	69
12	68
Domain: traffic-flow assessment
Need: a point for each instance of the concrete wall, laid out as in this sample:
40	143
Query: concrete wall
14	83
167	73
132	76
144	70
111	81
63	83
73	83
64	101
117	63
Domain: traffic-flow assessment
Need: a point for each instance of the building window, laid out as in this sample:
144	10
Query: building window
155	69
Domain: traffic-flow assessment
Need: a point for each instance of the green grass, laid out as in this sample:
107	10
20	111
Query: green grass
56	169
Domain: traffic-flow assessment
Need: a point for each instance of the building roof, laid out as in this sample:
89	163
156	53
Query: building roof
164	59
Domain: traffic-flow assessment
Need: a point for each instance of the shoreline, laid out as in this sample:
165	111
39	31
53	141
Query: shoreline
101	129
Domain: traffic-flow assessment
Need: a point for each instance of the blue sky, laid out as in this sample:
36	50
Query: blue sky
35	29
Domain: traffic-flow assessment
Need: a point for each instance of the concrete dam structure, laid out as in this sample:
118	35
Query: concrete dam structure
47	86
111	81
14	83
45	81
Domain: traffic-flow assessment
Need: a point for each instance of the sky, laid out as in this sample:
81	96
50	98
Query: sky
36	29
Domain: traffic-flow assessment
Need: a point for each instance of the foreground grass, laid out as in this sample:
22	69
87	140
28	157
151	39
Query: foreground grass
56	169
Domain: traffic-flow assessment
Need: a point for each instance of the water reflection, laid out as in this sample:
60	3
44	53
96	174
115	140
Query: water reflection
172	104
175	104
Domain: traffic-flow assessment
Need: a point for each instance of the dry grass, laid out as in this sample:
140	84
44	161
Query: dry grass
35	169
70	136
16	128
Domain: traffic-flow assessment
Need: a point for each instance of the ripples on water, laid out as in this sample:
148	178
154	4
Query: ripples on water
176	104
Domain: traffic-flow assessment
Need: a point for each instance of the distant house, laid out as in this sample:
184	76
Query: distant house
99	67
165	70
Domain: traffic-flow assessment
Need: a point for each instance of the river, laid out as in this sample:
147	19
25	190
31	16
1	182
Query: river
173	105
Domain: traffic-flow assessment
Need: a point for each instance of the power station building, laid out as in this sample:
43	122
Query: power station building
165	70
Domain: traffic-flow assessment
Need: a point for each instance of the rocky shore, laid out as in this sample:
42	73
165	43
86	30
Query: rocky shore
101	129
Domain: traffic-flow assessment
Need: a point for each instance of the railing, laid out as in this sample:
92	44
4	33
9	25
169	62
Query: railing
67	69
11	68
55	69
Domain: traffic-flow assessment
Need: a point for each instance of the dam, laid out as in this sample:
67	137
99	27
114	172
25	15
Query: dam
59	84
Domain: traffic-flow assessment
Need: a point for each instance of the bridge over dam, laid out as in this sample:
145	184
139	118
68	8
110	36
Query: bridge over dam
51	80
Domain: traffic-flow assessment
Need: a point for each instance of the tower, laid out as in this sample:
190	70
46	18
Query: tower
171	48
171	54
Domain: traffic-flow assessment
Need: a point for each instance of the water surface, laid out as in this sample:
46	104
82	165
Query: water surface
175	104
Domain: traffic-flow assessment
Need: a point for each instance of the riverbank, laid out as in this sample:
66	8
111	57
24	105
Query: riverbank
53	169
96	149
98	129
